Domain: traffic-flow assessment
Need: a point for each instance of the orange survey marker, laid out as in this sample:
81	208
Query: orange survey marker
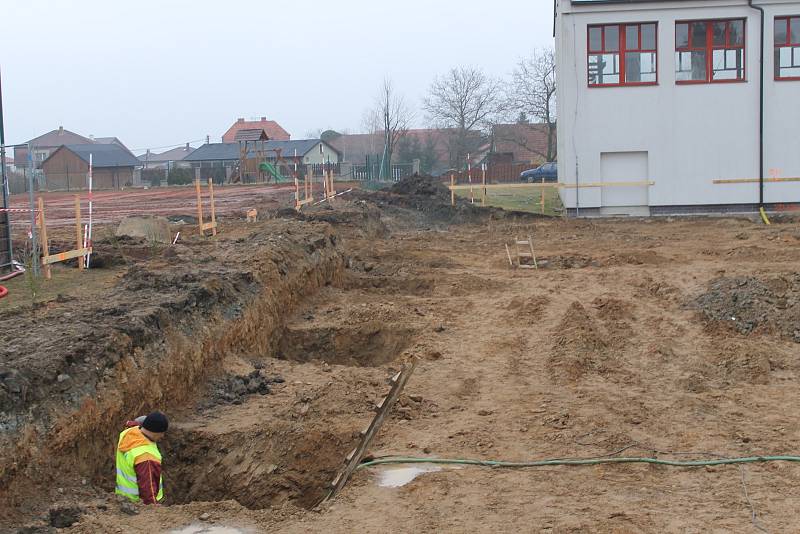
204	227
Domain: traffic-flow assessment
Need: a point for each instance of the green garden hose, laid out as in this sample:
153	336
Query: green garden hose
585	461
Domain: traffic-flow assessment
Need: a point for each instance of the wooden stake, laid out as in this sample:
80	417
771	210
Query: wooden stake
452	191
199	206
213	208
483	190
542	200
309	179
296	192
43	234
508	253
78	233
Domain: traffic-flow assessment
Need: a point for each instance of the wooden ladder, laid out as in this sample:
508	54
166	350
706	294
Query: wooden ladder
523	254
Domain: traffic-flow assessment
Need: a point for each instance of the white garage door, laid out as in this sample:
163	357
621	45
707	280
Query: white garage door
624	167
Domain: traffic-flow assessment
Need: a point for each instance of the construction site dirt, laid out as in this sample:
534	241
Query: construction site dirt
269	345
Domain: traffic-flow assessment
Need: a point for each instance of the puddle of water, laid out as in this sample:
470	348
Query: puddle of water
395	477
208	529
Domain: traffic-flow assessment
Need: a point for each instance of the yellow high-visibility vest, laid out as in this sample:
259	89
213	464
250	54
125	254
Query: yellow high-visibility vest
126	474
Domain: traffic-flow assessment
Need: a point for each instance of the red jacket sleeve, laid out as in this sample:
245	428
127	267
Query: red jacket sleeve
148	477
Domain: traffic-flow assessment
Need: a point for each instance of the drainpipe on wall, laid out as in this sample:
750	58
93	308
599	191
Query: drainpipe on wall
760	112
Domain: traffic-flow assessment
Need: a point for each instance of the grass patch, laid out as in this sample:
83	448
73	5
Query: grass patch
519	199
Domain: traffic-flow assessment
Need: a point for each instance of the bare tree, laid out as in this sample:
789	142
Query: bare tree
465	100
532	93
394	117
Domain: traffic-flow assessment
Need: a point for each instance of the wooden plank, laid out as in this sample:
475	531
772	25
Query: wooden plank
464	187
63	256
209	226
754	180
353	459
606	184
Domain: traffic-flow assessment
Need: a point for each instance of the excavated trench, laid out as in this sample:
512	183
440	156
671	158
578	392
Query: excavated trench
260	466
263	460
365	345
290	455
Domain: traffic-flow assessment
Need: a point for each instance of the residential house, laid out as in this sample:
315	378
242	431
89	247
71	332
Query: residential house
523	143
152	160
274	130
46	144
687	101
67	167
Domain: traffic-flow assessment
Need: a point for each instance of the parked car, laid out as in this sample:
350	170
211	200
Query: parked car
547	173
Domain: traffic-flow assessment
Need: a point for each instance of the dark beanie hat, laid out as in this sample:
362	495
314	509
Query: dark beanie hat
156	422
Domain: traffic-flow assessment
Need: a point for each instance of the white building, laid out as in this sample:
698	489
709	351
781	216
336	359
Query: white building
667	94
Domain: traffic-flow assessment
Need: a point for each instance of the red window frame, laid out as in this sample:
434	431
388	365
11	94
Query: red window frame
622	50
709	47
788	43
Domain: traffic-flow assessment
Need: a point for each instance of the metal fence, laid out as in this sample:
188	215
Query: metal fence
372	172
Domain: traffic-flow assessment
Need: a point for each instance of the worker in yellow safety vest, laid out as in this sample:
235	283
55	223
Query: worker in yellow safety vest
139	460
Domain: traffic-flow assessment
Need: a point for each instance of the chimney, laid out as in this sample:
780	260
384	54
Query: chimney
263	119
60	130
239	120
187	147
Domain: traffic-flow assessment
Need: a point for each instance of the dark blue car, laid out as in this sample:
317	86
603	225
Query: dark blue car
546	173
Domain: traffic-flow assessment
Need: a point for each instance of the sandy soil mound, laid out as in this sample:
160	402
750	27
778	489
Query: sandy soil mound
582	346
748	304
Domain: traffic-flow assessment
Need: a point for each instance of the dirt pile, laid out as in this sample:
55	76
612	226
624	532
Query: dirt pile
236	388
431	197
748	304
583	345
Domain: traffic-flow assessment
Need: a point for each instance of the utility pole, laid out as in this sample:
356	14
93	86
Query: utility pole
6	215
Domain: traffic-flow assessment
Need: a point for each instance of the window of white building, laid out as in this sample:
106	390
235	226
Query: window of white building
710	51
622	54
787	48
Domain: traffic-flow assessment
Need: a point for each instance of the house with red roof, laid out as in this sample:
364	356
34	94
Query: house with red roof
274	131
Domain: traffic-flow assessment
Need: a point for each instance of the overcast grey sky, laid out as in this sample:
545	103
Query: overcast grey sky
157	73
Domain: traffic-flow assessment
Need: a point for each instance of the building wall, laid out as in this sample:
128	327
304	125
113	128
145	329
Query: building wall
67	172
314	157
690	134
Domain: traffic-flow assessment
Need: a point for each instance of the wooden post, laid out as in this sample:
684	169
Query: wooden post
43	234
78	233
452	191
199	206
542	200
296	192
213	209
483	180
309	181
